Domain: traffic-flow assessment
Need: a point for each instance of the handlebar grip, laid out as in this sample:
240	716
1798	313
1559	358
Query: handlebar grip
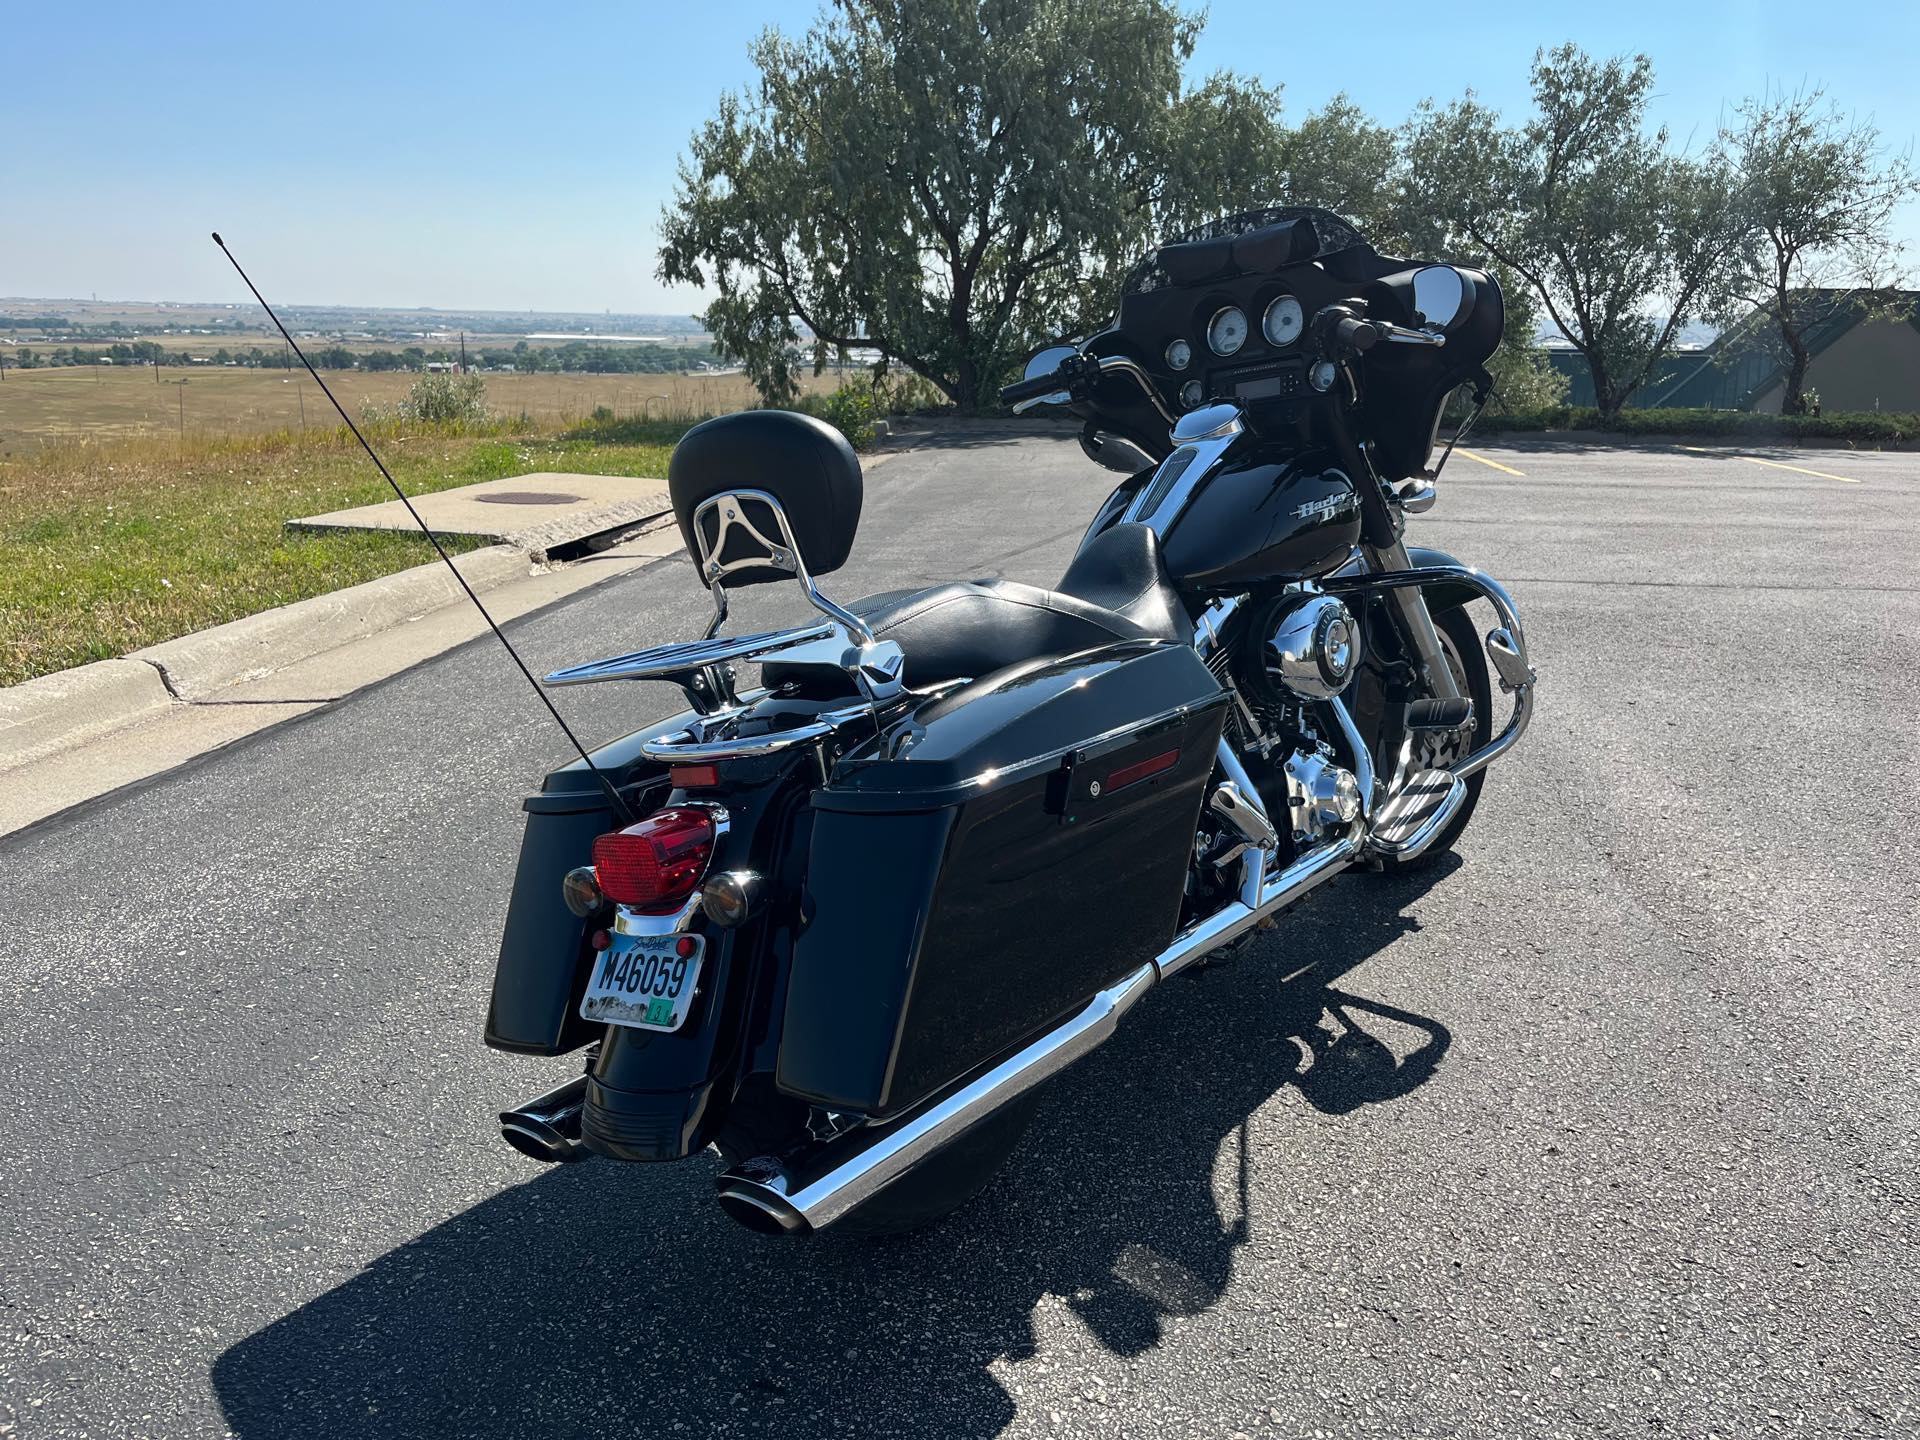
1034	388
1358	335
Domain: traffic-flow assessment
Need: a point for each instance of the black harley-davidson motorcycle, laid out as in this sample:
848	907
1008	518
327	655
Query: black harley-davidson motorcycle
841	924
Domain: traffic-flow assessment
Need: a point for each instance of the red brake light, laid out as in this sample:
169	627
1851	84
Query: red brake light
655	865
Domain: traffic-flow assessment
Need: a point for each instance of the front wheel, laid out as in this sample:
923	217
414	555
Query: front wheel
1461	644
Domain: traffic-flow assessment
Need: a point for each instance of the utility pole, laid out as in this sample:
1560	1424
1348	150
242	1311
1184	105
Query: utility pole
463	352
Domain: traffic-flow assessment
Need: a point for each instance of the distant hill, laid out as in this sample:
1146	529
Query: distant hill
138	317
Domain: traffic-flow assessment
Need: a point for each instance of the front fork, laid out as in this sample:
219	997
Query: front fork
1416	622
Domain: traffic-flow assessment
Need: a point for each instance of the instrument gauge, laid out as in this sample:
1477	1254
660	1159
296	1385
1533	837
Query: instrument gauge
1179	355
1283	321
1227	331
1191	394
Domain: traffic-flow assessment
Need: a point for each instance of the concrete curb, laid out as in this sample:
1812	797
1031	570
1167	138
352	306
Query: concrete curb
245	649
42	716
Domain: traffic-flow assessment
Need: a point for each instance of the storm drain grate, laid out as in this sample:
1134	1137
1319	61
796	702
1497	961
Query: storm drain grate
526	497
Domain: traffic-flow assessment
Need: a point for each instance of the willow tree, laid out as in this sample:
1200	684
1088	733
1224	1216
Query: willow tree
1821	194
950	182
1621	241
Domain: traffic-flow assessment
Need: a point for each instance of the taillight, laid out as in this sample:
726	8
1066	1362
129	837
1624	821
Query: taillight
655	865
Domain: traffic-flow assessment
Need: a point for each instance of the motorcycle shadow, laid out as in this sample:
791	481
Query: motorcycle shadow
601	1298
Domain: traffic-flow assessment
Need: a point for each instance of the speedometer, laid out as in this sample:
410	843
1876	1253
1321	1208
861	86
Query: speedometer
1227	331
1283	321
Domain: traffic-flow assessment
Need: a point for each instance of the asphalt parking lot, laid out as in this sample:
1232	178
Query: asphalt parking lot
1605	1126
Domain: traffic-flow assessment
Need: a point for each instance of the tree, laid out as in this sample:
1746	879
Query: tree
1821	196
1621	241
1342	160
950	182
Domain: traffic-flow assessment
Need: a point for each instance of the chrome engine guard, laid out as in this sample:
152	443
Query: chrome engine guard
1506	644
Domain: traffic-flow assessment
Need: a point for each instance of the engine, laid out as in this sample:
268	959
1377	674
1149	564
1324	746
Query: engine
1310	654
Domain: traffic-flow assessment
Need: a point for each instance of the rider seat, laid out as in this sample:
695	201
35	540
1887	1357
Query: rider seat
1117	588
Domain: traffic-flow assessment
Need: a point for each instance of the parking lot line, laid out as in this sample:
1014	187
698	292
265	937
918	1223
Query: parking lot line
1495	464
1773	464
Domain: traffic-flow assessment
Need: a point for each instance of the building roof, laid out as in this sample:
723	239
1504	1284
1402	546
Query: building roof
1743	363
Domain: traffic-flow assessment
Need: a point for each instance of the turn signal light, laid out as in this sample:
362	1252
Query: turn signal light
655	865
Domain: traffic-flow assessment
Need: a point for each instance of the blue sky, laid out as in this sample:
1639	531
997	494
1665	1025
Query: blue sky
517	156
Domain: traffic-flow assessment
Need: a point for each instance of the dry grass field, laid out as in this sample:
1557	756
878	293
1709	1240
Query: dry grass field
87	404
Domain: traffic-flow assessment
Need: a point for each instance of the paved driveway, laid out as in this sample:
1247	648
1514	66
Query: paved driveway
1604	1127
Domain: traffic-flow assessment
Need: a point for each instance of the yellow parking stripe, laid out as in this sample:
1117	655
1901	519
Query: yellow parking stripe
1494	464
1799	470
1774	465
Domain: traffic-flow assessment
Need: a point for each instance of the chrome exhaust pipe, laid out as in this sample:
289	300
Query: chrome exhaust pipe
548	1129
815	1187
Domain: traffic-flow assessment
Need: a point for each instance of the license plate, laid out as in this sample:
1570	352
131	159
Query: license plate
644	981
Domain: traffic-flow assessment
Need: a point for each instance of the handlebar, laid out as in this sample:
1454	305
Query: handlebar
1356	335
1033	389
1342	332
1075	376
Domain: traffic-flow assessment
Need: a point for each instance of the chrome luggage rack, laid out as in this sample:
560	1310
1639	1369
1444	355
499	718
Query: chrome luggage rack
706	669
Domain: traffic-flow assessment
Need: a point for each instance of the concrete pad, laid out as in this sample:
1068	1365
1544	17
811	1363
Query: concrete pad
197	665
536	512
41	716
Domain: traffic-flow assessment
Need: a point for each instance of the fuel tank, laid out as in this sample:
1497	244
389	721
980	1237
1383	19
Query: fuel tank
1262	522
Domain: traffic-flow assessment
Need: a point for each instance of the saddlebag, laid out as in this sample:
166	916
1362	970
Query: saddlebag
544	957
984	866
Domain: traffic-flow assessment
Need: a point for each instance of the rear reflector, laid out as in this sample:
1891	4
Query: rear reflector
1141	770
694	777
655	865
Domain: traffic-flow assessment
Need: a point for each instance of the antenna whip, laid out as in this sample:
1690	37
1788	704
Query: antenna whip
620	806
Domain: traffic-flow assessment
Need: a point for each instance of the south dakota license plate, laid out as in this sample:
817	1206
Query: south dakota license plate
645	981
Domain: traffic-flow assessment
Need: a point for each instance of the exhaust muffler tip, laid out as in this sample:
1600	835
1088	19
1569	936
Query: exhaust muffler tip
540	1142
760	1209
548	1129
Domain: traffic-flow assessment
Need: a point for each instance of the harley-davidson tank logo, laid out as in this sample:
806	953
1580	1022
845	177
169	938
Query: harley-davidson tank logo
1328	507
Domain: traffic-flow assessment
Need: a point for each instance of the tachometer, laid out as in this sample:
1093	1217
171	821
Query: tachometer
1227	331
1283	321
1179	355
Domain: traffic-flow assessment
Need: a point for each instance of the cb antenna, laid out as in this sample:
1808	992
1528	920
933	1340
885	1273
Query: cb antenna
620	806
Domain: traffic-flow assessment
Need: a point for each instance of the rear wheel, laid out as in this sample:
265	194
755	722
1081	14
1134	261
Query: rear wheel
947	1179
1460	642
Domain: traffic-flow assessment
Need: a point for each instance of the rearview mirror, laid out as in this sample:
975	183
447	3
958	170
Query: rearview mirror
1442	295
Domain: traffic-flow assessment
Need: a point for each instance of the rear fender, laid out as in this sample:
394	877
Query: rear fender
653	1095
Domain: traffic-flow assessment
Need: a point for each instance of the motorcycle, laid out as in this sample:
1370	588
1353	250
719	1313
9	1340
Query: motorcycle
840	925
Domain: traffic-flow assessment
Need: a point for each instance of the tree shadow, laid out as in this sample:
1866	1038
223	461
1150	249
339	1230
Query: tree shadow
961	433
604	1298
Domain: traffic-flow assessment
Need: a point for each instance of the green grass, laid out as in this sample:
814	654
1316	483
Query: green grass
105	549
